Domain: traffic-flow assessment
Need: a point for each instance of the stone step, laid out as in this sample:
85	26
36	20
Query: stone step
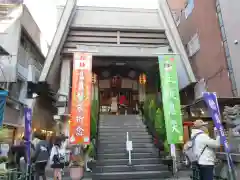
125	155
117	137
121	130
123	141
126	168
124	161
133	175
123	150
123	133
117	145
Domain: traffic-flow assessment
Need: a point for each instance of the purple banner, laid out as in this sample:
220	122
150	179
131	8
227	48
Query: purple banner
3	97
28	131
213	108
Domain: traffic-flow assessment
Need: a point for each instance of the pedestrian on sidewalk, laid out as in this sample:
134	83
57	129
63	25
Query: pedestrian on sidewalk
57	159
41	156
203	147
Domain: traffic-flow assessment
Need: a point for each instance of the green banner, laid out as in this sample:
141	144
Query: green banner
170	98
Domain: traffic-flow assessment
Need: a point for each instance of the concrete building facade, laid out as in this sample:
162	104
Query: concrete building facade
200	25
107	33
21	62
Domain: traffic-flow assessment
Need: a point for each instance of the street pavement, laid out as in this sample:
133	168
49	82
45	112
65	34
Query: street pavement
183	175
66	174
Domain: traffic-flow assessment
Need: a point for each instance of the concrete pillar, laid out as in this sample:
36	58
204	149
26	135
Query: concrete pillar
141	92
64	94
65	79
64	85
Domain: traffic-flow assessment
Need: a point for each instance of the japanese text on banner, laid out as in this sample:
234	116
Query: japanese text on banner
81	99
212	103
170	96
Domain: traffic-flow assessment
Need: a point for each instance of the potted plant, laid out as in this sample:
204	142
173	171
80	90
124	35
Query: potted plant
90	154
3	161
77	162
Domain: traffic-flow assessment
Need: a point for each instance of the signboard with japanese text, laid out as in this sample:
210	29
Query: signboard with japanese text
81	99
170	98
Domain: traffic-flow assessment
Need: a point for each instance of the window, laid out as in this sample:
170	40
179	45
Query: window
225	44
220	19
15	89
229	64
223	34
218	8
193	45
189	8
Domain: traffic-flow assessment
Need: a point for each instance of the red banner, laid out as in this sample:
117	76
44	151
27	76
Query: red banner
81	99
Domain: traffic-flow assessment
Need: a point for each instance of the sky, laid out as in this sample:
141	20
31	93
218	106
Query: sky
44	12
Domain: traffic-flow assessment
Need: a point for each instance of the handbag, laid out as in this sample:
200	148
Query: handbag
58	160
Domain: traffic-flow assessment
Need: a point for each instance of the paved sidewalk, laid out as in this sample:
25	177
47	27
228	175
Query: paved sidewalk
66	176
182	175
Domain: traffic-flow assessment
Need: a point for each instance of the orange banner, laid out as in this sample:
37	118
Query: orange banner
81	99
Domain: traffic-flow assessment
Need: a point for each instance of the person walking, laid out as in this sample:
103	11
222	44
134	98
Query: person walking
204	149
41	156
57	159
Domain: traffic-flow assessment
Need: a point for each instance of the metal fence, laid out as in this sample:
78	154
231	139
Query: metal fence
13	174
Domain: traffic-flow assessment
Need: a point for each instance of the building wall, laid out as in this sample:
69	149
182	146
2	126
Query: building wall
43	115
27	56
177	4
210	61
106	17
29	24
231	23
10	42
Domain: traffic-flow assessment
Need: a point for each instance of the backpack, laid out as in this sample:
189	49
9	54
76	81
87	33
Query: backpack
58	160
191	156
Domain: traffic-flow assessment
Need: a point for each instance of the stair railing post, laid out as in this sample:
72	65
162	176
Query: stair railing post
174	158
129	148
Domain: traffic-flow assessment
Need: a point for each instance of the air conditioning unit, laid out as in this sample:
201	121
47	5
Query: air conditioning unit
199	89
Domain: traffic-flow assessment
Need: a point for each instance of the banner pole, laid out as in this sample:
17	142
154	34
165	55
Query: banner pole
171	105
213	108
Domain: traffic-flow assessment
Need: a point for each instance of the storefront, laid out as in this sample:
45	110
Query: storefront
12	122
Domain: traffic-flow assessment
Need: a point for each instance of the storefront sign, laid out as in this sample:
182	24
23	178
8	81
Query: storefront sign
81	99
28	131
211	101
3	96
170	98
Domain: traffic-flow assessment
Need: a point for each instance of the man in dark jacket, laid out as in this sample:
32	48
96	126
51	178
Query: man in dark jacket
41	156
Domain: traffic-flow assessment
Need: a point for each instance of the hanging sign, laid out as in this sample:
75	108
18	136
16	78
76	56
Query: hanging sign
3	96
28	131
81	99
170	98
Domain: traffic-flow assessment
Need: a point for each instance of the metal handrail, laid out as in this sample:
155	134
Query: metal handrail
129	149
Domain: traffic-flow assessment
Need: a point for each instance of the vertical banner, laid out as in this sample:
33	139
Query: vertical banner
170	98
28	131
213	108
79	127
3	96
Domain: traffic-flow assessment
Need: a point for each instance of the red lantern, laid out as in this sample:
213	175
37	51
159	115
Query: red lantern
142	79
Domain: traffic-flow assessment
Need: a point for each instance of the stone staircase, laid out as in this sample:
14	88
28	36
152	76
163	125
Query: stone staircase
112	162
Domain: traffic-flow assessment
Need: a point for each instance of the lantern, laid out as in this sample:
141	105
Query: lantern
142	79
94	78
